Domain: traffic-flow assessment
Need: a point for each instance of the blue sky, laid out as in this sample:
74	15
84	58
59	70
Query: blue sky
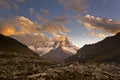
102	20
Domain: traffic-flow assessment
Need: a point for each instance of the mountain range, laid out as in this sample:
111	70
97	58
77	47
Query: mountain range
18	61
59	53
55	50
107	50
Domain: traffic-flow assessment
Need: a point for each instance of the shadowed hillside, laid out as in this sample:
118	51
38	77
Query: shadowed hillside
107	50
8	44
18	61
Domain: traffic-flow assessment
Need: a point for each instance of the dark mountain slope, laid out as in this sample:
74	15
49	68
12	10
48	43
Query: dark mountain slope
18	61
107	50
8	44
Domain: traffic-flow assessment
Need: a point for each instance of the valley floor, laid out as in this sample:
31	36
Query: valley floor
74	71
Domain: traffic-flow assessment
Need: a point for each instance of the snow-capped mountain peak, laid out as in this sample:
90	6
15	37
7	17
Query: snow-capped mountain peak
44	47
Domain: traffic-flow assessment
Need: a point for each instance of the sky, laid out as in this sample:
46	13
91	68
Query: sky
82	21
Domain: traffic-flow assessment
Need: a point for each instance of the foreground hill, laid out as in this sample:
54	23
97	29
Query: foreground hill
107	50
17	60
8	44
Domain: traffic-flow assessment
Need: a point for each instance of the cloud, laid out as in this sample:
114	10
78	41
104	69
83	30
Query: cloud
104	24
58	37
54	28
78	6
40	18
4	4
31	10
51	26
26	25
44	11
22	25
91	33
20	0
29	39
10	4
7	29
61	19
18	25
98	35
16	6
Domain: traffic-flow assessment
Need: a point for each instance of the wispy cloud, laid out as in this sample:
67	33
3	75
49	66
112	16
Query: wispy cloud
98	35
45	11
78	6
104	24
31	10
20	0
61	19
41	18
55	28
51	25
10	4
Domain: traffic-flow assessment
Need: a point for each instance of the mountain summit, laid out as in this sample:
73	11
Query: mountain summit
61	50
58	54
107	50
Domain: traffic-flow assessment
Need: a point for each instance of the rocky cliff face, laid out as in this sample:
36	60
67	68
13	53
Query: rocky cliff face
107	50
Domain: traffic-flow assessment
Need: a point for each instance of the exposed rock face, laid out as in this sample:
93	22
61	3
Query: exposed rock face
107	50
